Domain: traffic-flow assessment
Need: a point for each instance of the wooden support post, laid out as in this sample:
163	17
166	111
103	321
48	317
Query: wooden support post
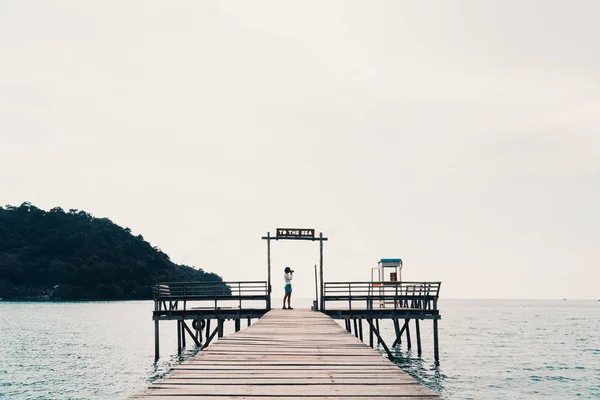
436	351
360	332
156	340
220	324
210	338
207	330
376	331
182	333
237	325
398	336
269	270
347	321
178	336
197	332
408	343
249	321
355	328
189	331
370	322
378	337
418	337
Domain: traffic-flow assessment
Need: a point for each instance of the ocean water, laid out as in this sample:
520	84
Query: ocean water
489	349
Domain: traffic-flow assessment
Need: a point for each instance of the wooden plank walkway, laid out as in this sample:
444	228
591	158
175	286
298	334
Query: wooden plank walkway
288	354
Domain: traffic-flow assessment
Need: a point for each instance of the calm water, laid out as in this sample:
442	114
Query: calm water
489	350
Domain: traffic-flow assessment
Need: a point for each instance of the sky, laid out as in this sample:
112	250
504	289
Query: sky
463	136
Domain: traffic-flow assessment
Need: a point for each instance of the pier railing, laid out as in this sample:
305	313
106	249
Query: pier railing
169	295
382	295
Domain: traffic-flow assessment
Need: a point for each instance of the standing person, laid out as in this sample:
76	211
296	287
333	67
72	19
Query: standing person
288	276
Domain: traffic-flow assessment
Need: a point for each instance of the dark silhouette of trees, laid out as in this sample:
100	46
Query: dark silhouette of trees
75	256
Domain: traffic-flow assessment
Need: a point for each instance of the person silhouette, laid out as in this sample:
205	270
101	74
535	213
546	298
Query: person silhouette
288	276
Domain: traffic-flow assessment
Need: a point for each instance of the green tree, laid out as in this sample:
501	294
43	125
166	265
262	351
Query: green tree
73	255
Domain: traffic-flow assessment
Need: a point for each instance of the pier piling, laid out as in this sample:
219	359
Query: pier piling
156	341
418	331
179	347
436	350
408	342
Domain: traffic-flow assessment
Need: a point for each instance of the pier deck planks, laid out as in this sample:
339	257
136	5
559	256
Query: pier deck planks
288	354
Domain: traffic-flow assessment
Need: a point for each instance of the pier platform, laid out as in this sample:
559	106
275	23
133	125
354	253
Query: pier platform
288	354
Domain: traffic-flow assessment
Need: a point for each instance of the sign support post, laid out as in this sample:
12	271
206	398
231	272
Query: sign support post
322	306
269	269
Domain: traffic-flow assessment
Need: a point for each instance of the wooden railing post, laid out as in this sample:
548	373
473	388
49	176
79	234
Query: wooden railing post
316	303
349	296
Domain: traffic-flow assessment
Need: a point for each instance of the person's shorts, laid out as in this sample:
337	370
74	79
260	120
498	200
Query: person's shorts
288	288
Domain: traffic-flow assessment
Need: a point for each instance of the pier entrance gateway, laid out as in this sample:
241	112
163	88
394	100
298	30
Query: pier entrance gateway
296	234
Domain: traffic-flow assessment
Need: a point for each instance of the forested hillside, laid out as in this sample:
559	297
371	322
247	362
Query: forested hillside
72	255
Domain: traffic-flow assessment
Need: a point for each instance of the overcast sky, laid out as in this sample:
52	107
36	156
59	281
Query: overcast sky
462	136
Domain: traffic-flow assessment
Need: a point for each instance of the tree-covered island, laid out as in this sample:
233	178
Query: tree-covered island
58	255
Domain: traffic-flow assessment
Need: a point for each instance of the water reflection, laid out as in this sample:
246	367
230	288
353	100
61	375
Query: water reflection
425	372
159	369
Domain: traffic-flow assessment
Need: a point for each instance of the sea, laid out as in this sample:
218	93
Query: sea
489	349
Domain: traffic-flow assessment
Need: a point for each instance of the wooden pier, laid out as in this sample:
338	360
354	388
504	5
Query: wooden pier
200	302
400	302
287	354
193	305
293	353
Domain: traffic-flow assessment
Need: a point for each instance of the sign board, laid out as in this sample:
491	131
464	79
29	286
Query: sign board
294	233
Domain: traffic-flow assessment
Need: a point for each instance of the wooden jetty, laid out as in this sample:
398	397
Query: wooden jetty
371	302
293	353
193	305
200	302
288	354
